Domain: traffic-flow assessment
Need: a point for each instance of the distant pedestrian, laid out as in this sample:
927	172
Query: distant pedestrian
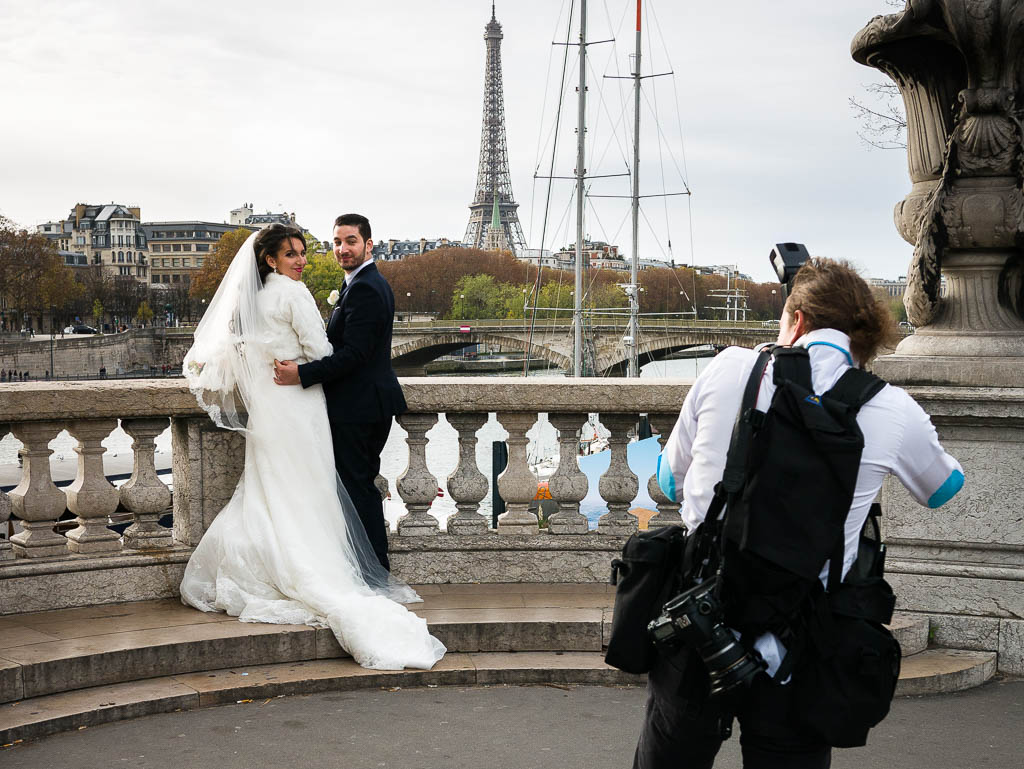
3	375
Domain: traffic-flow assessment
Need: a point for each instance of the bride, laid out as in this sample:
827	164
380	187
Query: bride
289	546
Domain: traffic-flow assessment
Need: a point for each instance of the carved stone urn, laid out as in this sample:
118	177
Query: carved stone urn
959	65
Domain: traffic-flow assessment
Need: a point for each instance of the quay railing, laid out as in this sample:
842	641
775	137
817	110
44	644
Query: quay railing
207	462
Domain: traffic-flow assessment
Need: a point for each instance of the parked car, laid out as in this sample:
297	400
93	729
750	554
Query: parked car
83	329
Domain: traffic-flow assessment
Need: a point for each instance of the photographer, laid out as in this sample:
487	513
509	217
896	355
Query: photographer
832	313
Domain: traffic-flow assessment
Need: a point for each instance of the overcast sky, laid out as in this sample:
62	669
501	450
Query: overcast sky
189	109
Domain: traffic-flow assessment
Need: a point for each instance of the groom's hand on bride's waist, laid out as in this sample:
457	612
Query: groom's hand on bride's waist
286	372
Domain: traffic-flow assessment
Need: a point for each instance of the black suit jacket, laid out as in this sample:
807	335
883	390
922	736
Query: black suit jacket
359	383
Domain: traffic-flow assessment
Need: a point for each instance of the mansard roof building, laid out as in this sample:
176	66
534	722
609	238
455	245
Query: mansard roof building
396	250
109	235
178	249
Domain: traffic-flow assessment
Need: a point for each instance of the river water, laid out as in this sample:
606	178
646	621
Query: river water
442	451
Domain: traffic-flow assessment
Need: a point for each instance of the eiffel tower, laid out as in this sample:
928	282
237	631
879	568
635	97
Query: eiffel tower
493	185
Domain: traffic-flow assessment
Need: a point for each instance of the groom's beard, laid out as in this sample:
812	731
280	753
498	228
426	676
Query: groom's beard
352	267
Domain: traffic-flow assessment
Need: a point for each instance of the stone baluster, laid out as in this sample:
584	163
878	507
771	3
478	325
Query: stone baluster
568	485
145	494
668	511
5	515
516	484
36	501
382	486
467	485
6	553
619	485
416	486
90	496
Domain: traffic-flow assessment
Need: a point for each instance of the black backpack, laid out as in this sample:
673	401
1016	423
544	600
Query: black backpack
788	487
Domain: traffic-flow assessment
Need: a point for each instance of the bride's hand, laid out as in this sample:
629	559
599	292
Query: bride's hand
286	372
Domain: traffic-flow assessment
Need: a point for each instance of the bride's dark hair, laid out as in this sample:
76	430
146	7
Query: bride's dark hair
269	241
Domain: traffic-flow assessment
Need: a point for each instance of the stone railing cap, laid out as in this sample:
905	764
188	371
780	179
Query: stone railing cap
61	401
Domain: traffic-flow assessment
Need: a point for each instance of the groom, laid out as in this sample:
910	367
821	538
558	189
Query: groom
360	386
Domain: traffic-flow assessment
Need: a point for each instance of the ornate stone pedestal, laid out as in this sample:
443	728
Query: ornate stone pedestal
956	64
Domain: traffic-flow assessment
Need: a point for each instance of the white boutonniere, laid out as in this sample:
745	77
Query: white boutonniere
333	297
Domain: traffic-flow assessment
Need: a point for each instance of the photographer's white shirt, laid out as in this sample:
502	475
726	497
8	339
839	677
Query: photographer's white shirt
899	438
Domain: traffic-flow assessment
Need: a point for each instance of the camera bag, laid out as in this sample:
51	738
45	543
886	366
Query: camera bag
649	572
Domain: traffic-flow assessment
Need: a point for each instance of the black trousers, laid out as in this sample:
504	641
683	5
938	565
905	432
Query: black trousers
357	448
679	735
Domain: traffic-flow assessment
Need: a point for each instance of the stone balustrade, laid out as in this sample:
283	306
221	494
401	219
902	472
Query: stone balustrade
207	461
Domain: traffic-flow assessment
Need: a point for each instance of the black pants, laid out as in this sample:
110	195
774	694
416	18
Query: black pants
679	735
357	448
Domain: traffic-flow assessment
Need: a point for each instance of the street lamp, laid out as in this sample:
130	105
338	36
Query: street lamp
462	306
53	331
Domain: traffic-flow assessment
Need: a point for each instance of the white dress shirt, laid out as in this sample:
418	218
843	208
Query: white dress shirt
350	276
899	438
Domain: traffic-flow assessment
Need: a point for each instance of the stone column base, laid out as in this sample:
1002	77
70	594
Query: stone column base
92	538
574	524
38	540
959	371
467	526
417	525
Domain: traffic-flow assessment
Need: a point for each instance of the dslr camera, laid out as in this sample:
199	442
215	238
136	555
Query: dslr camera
694	619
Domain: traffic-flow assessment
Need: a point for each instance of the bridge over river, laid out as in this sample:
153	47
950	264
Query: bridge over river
416	343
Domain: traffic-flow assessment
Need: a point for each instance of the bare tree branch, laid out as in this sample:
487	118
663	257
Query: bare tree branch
883	123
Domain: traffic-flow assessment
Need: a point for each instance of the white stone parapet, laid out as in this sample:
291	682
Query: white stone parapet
207	462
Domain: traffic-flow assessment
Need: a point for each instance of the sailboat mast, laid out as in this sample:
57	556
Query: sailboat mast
634	267
581	132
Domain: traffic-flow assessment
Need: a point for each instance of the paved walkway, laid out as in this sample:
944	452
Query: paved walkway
520	727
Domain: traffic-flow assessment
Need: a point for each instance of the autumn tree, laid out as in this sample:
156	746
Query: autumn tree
323	274
126	294
144	314
33	276
59	292
207	279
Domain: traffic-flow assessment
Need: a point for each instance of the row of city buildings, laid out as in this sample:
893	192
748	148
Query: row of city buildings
115	238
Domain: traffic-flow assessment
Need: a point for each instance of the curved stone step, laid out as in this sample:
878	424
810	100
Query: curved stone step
927	673
51	652
42	716
939	671
911	630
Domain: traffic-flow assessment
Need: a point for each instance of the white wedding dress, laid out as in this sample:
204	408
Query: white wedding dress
284	549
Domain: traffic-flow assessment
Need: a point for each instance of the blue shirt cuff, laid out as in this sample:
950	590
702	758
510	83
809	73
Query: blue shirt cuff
666	480
945	492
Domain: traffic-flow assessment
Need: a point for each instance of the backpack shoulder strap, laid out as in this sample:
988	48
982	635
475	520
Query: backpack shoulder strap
856	387
743	427
792	364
